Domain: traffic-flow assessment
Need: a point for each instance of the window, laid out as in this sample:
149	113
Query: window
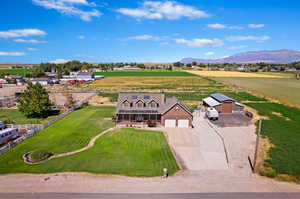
126	104
140	104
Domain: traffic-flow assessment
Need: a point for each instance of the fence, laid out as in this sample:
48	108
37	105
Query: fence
254	162
36	128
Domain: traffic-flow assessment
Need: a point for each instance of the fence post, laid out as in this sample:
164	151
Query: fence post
257	146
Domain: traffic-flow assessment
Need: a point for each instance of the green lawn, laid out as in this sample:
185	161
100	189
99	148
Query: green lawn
284	133
126	152
18	71
284	89
146	73
16	117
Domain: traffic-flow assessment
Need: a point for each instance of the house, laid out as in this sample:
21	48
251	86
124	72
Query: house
127	68
142	109
44	81
223	104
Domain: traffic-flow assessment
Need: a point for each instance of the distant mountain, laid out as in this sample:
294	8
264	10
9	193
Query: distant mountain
268	56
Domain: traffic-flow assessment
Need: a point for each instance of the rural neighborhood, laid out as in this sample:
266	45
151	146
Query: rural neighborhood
149	99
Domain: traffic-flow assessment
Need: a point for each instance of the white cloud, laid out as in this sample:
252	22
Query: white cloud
81	37
59	61
12	53
200	42
208	54
68	7
222	26
33	41
256	25
143	37
163	9
249	38
32	49
21	33
237	47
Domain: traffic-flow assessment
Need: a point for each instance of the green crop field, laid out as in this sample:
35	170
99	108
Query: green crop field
15	71
283	89
282	128
146	73
125	152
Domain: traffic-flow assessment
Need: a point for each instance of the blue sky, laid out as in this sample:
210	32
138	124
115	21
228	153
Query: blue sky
34	31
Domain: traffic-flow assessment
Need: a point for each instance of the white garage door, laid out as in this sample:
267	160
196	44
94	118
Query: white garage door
183	123
170	123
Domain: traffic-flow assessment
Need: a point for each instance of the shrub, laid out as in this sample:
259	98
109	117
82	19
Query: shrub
39	155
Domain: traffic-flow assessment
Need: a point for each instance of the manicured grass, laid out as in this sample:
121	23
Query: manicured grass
284	132
283	89
18	71
70	133
16	117
145	73
124	152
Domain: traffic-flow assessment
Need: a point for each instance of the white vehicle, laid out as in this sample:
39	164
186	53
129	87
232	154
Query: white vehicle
212	114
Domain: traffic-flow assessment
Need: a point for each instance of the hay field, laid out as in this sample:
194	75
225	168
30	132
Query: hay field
237	74
177	83
283	89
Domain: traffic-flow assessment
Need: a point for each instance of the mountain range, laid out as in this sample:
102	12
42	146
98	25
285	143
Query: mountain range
283	56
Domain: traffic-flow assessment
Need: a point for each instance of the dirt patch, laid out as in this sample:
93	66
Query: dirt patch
282	116
100	101
263	154
256	116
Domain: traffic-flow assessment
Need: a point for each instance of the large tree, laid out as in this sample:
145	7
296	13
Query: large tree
35	102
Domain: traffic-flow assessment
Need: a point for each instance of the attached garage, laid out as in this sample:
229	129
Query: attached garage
183	123
177	115
170	123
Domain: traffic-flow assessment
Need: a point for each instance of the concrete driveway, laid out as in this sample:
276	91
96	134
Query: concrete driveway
200	148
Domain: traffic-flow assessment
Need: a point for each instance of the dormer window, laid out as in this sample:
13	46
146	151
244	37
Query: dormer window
140	104
126	104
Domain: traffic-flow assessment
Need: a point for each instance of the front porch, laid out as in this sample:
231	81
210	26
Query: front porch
138	120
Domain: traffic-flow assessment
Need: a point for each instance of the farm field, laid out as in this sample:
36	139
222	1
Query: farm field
145	73
124	151
233	74
15	71
281	126
14	116
175	83
285	90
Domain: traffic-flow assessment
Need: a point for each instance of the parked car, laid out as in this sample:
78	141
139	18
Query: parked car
212	114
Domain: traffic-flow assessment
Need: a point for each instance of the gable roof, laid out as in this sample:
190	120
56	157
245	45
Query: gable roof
171	102
211	101
165	104
221	98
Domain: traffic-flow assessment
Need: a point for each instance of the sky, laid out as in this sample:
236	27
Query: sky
34	31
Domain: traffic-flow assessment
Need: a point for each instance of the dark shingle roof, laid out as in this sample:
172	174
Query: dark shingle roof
164	103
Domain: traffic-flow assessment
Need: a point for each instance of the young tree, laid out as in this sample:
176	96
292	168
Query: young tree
35	102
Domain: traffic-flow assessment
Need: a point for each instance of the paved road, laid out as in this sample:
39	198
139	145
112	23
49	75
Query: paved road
154	196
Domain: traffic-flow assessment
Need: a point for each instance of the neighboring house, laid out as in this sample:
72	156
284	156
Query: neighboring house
223	104
141	109
42	80
127	68
78	76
